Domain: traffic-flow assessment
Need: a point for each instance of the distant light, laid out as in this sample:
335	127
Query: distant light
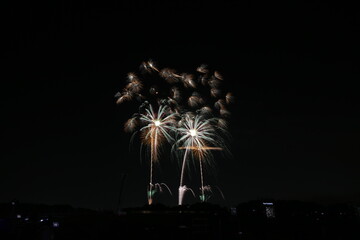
269	211
41	220
193	132
268	203
56	224
233	211
13	203
27	219
18	216
157	123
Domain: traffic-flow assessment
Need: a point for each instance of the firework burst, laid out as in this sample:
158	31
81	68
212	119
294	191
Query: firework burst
194	107
154	120
197	138
157	129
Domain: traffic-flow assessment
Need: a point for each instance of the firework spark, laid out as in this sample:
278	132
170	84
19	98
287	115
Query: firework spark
202	69
131	124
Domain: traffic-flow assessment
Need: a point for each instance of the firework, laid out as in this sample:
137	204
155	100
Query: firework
197	138
131	124
158	126
229	98
169	75
194	101
155	117
202	69
191	106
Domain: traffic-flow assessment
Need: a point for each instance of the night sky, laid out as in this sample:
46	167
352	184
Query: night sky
294	68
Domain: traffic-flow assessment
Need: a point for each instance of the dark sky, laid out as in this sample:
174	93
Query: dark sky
294	68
